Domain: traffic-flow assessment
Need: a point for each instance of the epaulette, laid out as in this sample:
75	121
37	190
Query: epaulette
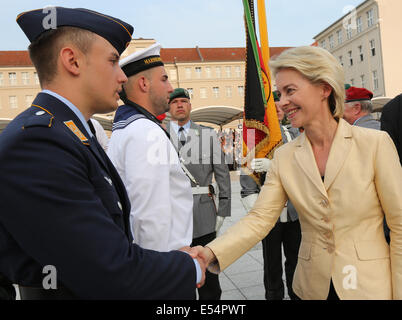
39	118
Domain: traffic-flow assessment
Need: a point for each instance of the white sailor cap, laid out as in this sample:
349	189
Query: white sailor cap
142	60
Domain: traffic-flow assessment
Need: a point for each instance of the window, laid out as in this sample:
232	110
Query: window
28	100
36	78
339	34
370	18
12	77
198	72
218	72
375	80
172	74
13	102
363	81
361	53
240	90
331	41
323	44
238	72
228	92
25	78
191	92
1	79
203	93
188	73
372	47
350	58
341	60
359	24
208	72
349	30
228	71
216	92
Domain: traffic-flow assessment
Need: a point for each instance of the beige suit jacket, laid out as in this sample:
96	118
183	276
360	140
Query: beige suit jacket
341	218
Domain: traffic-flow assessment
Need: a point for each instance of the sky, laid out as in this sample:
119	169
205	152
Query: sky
190	23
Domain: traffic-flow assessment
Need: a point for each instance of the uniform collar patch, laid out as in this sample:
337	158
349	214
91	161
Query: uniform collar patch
72	126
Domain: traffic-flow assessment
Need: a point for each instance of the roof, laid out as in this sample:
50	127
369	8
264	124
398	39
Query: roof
15	59
219	115
169	55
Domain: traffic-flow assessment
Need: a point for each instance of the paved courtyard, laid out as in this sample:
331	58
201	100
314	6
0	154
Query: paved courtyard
243	280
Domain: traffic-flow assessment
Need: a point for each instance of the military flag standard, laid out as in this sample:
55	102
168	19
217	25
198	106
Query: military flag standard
261	130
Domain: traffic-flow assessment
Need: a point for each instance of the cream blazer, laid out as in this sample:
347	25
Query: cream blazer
341	218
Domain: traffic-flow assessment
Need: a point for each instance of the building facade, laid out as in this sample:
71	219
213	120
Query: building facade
19	83
213	76
365	42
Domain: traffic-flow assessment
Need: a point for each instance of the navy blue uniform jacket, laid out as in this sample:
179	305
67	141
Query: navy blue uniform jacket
62	203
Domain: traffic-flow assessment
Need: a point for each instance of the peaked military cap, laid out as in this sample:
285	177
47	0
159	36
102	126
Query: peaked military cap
142	60
36	22
179	93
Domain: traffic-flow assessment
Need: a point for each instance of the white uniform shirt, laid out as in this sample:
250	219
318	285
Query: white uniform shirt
160	193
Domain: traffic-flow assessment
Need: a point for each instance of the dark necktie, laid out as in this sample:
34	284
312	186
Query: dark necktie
182	137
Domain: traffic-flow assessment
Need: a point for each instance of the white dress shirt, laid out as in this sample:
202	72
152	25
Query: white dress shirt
160	193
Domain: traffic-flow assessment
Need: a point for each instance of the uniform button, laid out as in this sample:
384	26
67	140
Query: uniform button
40	113
331	249
119	205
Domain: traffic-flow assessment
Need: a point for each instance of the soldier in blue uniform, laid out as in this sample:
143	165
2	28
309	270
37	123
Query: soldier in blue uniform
63	203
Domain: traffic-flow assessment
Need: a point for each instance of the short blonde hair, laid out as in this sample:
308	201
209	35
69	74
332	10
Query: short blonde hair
318	66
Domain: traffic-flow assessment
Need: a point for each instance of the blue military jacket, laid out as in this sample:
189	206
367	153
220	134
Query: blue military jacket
63	204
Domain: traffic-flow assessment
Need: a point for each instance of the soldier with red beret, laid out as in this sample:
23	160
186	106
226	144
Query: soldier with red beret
358	108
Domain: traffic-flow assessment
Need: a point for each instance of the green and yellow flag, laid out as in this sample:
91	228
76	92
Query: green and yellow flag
261	130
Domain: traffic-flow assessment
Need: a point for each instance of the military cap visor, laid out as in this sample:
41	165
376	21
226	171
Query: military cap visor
38	21
179	93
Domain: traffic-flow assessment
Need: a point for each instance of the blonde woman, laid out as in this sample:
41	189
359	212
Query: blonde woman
342	179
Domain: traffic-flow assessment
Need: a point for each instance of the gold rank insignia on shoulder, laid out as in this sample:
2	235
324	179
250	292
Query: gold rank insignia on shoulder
71	125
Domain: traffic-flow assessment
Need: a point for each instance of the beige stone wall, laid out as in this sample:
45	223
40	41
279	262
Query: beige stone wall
372	67
16	95
137	45
390	28
210	87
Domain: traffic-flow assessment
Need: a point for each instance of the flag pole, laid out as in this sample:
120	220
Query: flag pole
262	24
253	38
